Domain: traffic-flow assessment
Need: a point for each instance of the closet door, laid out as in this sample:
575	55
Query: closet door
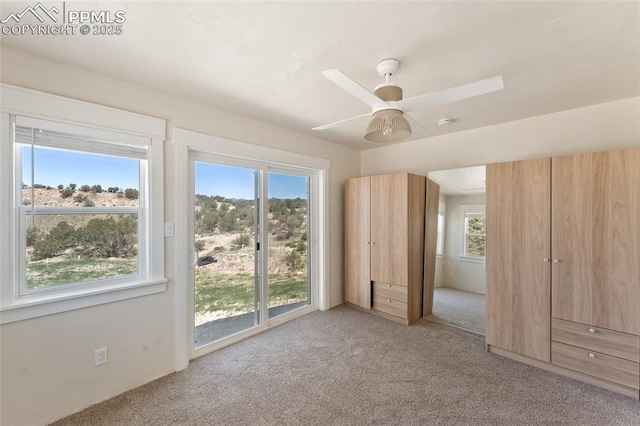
518	248
596	234
389	229
357	225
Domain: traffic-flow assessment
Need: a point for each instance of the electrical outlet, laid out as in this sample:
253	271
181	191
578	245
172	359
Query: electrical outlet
101	356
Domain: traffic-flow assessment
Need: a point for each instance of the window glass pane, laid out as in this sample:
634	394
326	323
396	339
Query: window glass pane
63	178
440	235
71	248
476	246
476	225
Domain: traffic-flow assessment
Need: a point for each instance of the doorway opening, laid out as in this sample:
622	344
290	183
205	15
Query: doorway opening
251	228
460	275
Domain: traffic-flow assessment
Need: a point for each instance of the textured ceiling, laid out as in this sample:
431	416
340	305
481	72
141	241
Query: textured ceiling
263	60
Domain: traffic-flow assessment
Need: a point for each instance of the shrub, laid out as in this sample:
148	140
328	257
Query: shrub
200	245
61	186
80	198
242	240
301	247
108	237
72	186
26	202
113	189
39	186
46	248
219	249
88	203
66	193
131	193
96	189
85	188
32	235
294	261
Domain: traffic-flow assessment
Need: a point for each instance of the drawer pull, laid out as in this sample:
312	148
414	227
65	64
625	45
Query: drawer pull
592	330
592	355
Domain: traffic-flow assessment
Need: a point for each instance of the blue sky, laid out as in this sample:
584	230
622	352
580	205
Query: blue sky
54	167
238	182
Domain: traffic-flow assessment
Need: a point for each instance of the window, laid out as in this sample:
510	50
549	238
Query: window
475	231
80	217
440	236
83	220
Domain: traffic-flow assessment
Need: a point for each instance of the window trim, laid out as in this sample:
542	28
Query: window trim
468	209
71	112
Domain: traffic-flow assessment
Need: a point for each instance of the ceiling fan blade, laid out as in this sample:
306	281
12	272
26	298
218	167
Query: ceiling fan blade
338	123
417	129
341	80
457	93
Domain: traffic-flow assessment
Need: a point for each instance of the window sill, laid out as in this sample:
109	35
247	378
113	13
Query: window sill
26	309
439	256
472	259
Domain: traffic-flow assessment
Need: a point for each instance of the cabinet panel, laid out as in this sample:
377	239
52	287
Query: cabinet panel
518	241
390	306
389	229
606	367
609	342
596	226
390	291
357	226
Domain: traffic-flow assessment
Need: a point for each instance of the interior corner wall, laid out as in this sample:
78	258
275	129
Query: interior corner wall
602	127
456	272
47	363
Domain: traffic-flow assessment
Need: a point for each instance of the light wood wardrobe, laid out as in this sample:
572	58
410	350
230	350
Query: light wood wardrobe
563	265
384	245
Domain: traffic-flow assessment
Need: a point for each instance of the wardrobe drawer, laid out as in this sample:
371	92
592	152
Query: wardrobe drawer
390	306
596	364
390	291
601	340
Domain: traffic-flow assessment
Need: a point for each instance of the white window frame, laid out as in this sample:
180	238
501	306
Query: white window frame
467	210
104	122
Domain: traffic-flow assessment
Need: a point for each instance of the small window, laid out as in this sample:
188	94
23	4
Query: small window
474	232
440	234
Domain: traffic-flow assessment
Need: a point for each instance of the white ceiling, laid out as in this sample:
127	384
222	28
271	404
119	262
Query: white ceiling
458	182
263	60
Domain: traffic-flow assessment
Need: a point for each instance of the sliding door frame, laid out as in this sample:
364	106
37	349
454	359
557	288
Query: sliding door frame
191	145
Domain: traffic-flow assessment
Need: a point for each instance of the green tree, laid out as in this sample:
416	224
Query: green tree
66	193
293	261
96	189
131	193
85	188
109	237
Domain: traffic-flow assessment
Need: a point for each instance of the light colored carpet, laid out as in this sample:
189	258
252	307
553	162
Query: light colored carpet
346	367
459	308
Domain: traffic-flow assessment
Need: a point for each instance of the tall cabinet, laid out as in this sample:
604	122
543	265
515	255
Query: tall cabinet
563	265
384	244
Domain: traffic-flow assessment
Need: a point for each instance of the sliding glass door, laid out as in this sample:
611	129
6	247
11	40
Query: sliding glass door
251	253
288	242
227	263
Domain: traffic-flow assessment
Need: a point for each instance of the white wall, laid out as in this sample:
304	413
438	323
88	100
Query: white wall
602	127
459	273
47	363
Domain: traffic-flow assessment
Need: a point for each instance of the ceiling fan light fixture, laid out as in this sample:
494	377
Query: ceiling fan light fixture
387	125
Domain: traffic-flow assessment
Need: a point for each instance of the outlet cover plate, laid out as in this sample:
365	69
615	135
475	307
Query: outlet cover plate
101	356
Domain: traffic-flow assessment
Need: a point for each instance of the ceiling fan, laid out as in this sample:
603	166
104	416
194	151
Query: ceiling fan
390	122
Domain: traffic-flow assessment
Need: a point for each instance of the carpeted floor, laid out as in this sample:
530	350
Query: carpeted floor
459	308
346	367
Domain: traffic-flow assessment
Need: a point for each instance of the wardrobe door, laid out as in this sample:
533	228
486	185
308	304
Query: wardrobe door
518	248
357	225
596	224
389	229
